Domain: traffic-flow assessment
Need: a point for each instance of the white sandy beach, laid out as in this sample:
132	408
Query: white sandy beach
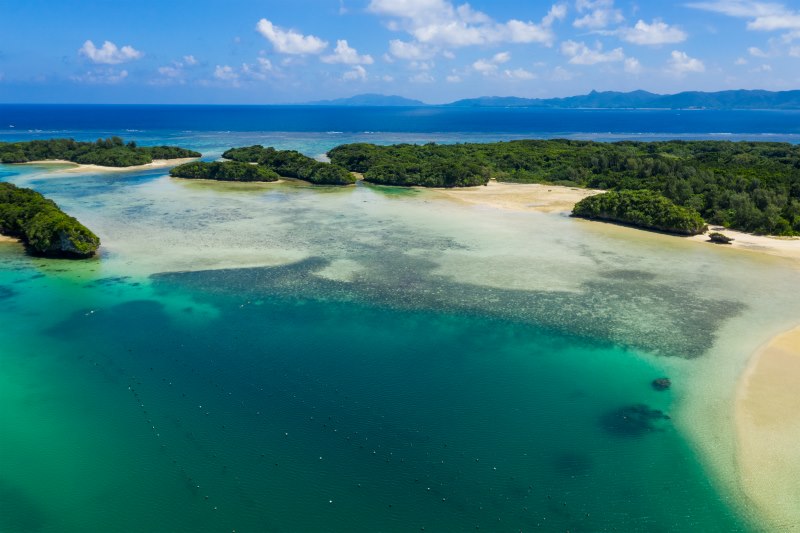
768	431
555	198
77	168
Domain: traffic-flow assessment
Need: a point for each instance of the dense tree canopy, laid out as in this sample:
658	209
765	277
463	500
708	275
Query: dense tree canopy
752	186
292	164
111	152
644	209
42	226
223	171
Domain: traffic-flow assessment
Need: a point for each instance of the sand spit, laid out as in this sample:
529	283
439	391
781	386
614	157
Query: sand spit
767	416
77	168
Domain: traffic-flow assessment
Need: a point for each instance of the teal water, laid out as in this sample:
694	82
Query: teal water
287	358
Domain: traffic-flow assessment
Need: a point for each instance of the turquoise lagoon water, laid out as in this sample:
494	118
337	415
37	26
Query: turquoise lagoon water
288	358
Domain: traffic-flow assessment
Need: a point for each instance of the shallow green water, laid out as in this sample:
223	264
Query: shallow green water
383	363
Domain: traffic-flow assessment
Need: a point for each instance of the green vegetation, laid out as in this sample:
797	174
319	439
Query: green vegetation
292	164
111	152
643	209
223	171
751	186
42	226
429	165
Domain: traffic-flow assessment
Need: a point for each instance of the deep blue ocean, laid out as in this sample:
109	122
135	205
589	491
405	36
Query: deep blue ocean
51	119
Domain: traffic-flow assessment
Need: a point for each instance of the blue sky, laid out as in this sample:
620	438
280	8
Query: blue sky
271	51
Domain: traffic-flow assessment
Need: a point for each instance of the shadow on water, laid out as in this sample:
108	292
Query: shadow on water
19	513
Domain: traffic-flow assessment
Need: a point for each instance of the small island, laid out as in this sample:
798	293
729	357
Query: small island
42	226
292	164
223	171
642	209
110	152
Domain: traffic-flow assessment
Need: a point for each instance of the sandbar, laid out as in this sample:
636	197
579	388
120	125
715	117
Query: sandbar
521	196
767	416
76	168
5	238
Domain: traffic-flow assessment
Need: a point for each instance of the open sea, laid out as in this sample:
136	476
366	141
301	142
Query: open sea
282	357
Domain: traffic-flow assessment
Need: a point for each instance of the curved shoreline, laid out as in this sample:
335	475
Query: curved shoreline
767	424
79	167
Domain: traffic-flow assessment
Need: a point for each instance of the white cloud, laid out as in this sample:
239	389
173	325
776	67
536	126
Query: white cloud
387	78
580	54
632	65
411	51
489	66
740	61
349	56
652	34
102	76
170	71
680	63
447	54
599	14
439	22
289	41
109	54
756	52
764	16
794	51
453	78
356	73
190	60
225	73
519	74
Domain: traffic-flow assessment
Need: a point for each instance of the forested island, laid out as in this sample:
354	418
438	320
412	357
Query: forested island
643	209
750	186
43	227
292	164
223	171
110	152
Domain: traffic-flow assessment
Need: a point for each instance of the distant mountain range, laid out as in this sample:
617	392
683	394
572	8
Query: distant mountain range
370	100
739	99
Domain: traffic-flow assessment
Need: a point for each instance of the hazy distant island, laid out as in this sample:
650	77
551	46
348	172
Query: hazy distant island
43	227
369	99
750	186
734	99
110	152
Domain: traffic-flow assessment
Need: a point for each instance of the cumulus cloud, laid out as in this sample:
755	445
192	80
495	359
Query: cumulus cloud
190	60
598	14
409	51
356	73
260	70
109	54
453	78
580	54
439	22
489	66
756	52
680	63
349	56
519	74
226	73
764	16
656	33
290	41
632	65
